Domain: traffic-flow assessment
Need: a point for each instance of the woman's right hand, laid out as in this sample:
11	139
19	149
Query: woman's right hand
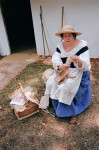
63	67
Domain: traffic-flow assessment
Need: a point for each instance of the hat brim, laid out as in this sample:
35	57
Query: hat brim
59	33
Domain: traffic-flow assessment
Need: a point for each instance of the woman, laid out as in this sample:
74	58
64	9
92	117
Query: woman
73	96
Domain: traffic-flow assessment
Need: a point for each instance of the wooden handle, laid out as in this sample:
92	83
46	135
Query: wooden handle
61	75
19	85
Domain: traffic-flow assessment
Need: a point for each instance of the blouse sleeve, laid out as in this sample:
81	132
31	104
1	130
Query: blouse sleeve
86	66
56	59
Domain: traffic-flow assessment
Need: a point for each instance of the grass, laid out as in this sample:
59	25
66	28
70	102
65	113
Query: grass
42	131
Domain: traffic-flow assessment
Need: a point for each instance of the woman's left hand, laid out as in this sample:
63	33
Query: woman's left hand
76	60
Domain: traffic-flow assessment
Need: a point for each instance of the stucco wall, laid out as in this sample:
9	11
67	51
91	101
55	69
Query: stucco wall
4	45
83	15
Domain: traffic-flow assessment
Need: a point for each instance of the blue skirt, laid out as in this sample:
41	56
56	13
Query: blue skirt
80	102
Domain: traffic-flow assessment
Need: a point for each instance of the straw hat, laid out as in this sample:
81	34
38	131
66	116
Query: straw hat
67	29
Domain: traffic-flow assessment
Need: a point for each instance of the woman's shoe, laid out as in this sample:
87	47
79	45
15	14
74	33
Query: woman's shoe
73	119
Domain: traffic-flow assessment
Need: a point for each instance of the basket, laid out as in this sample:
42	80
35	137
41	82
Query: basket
26	110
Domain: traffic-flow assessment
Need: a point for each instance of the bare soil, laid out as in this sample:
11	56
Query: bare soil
1	57
43	131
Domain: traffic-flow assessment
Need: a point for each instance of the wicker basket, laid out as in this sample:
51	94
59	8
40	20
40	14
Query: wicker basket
26	110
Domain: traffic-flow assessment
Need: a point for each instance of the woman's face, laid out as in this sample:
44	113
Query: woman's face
68	38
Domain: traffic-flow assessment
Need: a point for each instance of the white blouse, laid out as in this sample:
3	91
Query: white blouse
56	58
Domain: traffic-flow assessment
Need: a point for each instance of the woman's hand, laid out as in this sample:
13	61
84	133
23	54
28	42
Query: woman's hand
63	67
76	60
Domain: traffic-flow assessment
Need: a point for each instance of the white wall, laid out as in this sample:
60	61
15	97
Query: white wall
82	14
4	45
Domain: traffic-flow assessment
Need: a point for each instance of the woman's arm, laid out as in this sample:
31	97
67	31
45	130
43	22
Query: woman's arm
77	60
83	61
63	67
56	60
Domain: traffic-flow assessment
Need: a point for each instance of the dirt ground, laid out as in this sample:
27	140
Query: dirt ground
43	131
1	57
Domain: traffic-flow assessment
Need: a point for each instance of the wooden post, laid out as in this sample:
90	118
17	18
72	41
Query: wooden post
43	33
62	18
42	28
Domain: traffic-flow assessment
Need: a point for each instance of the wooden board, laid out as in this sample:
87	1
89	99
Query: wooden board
61	75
